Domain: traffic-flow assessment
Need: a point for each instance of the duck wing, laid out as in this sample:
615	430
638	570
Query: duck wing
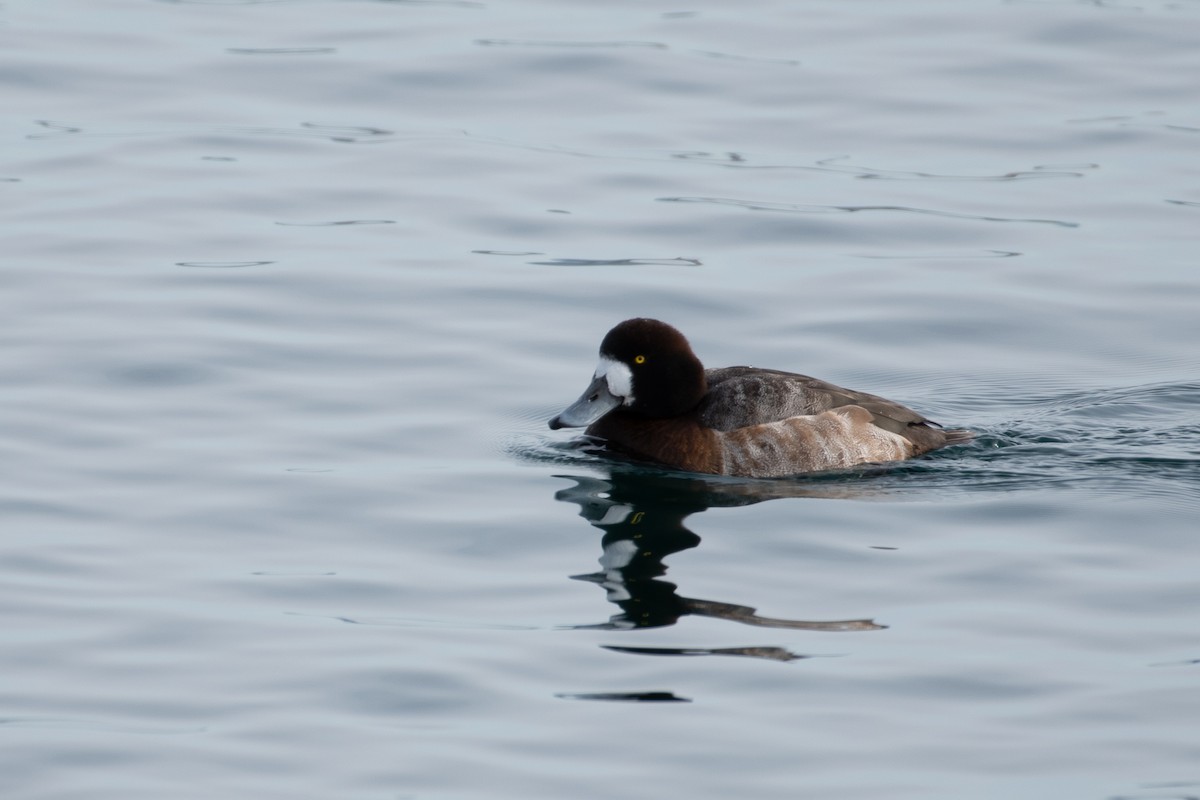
739	397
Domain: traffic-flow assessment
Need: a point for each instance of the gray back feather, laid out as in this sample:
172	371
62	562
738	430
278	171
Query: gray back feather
742	396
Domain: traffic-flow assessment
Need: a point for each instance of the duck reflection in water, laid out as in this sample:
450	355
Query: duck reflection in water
642	516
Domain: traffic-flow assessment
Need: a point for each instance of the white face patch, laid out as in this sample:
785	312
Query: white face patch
618	377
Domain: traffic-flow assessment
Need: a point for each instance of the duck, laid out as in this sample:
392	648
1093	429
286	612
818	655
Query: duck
652	399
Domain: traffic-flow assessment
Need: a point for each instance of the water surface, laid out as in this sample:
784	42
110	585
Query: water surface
291	289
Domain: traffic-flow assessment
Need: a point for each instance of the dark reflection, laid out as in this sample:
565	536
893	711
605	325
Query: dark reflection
768	653
642	516
626	697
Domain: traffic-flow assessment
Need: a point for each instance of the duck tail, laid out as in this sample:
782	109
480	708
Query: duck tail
958	435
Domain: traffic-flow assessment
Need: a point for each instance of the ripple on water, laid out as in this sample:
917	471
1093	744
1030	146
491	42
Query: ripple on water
1123	441
807	208
222	264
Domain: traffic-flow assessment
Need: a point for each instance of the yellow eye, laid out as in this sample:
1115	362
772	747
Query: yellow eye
639	359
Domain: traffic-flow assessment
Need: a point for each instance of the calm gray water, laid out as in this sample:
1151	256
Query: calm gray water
290	290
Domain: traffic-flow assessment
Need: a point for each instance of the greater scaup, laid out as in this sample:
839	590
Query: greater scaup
652	399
